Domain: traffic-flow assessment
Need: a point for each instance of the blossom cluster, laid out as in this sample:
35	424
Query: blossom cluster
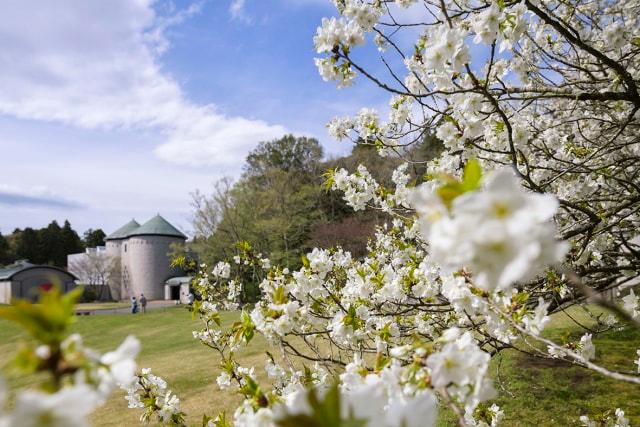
95	378
617	419
149	392
359	188
502	233
338	36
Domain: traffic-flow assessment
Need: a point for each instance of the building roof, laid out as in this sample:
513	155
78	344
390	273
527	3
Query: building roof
124	231
157	226
181	280
9	271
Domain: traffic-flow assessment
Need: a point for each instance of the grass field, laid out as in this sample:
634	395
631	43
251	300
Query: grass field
532	392
101	305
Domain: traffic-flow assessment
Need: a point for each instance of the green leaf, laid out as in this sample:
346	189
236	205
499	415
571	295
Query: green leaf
448	118
216	318
305	261
449	192
48	321
220	420
471	176
352	319
452	188
243	246
279	296
195	309
26	360
381	362
385	332
328	179
205	420
520	298
325	412
248	327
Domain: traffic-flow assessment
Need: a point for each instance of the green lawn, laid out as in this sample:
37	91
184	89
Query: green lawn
168	347
550	393
101	305
545	394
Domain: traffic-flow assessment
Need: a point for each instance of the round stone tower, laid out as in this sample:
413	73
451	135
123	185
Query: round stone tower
147	256
119	281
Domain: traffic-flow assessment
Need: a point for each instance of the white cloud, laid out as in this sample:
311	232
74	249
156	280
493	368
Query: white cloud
237	11
95	65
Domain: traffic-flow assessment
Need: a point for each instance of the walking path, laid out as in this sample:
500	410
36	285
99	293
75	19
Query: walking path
151	305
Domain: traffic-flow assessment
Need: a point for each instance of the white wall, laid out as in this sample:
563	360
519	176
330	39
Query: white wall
5	292
149	264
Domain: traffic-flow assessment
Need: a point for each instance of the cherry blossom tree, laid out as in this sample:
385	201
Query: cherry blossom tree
531	208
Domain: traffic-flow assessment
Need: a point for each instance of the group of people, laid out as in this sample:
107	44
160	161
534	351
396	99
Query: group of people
143	302
134	304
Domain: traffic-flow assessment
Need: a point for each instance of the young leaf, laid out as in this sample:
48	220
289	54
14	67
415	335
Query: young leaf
471	176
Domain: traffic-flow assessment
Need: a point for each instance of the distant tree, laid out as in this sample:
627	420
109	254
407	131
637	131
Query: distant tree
351	234
274	205
282	211
217	214
13	240
210	209
279	205
93	238
27	245
114	279
430	148
275	216
184	258
6	257
51	246
288	154
71	243
94	268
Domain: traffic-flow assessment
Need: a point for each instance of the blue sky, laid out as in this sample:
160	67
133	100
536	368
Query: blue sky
120	109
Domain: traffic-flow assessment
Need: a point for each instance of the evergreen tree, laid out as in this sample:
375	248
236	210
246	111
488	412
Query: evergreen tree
27	246
70	244
50	245
5	251
93	238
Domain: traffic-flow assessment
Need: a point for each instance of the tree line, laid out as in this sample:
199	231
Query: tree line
49	245
280	206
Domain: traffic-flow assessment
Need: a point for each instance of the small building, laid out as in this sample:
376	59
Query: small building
142	254
178	289
25	280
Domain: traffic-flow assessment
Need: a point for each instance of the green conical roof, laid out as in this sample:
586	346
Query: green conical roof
124	231
157	226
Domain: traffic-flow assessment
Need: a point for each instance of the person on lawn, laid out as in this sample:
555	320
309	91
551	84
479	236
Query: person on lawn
143	303
134	305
